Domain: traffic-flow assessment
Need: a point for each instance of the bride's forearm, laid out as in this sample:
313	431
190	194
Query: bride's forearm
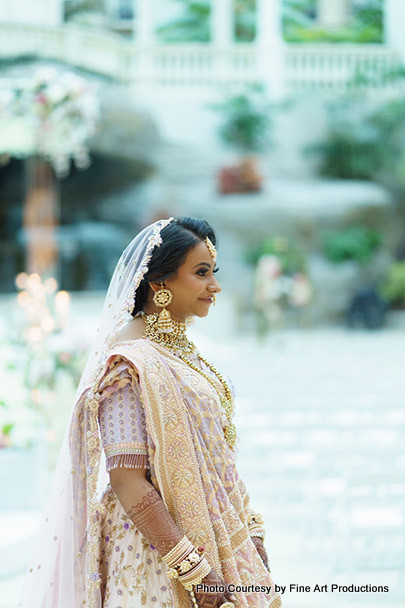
147	510
149	514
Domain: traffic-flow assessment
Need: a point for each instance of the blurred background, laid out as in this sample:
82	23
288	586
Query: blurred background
281	122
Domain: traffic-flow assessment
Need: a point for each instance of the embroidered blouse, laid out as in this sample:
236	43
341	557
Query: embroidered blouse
122	420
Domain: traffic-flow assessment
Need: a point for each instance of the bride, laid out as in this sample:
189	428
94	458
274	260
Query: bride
146	507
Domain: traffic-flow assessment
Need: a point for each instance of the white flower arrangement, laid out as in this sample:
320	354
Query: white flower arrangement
46	357
276	291
53	114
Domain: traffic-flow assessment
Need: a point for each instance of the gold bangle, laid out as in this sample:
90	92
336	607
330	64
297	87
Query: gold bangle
195	576
189	585
227	605
179	552
189	562
257	534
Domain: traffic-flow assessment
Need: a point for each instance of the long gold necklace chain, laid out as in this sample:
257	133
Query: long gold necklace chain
179	344
226	403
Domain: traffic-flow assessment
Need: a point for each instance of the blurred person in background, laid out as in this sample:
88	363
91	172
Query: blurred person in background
146	507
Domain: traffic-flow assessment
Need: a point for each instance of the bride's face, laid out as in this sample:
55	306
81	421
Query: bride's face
194	285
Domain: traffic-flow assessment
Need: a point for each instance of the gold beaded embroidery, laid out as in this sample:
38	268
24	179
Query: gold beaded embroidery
178	342
94	508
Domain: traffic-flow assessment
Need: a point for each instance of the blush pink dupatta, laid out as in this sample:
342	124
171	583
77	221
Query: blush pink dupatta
194	469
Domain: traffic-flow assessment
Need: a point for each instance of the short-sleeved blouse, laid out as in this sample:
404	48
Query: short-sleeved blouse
122	420
122	417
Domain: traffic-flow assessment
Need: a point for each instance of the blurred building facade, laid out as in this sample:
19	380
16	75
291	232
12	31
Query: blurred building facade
166	87
120	41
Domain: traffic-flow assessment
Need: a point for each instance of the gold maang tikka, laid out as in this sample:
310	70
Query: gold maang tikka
162	297
213	252
211	248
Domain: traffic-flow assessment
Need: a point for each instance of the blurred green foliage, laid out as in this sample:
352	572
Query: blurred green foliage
365	140
192	26
5	426
298	23
365	24
289	256
194	23
247	119
357	243
298	18
245	20
75	7
393	288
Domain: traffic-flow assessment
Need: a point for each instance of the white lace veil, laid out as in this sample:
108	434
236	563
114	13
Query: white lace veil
61	573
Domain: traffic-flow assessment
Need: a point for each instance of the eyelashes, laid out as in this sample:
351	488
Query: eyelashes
202	272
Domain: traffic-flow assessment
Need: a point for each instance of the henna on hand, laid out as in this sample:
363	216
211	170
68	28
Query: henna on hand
151	517
213	599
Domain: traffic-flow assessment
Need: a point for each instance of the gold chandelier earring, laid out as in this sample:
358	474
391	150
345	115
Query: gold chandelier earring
162	298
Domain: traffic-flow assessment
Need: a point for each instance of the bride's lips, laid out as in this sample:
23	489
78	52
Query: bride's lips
208	300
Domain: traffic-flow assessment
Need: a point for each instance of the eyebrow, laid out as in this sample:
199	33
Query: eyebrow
202	263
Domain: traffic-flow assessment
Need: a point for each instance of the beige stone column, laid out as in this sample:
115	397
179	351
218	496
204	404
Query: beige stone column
270	46
144	23
222	38
144	40
394	20
222	22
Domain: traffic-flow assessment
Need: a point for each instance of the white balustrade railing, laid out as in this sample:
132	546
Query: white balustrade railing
334	66
196	67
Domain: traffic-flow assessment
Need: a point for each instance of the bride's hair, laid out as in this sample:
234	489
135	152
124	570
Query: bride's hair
178	237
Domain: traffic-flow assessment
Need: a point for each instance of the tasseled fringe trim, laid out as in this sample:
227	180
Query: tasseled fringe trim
128	461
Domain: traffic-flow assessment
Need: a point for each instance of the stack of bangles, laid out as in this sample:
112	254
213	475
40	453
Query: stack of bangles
255	525
188	564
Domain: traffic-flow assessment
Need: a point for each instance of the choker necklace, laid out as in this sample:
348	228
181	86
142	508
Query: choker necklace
178	342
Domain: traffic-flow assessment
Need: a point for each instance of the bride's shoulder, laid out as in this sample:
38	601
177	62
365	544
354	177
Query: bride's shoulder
133	330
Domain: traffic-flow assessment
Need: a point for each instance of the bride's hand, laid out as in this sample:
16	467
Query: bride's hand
213	599
261	550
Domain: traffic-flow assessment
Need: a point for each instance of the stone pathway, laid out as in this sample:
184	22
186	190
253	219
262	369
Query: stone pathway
321	416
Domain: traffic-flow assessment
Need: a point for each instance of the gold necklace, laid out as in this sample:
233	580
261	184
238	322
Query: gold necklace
178	342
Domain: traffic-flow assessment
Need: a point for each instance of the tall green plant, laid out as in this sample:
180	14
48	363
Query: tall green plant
246	120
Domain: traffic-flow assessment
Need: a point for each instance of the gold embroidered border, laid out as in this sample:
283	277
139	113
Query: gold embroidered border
126	448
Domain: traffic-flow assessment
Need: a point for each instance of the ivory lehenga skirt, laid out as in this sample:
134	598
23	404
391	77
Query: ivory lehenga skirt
133	574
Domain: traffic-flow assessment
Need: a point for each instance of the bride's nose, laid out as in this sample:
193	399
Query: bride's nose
216	287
